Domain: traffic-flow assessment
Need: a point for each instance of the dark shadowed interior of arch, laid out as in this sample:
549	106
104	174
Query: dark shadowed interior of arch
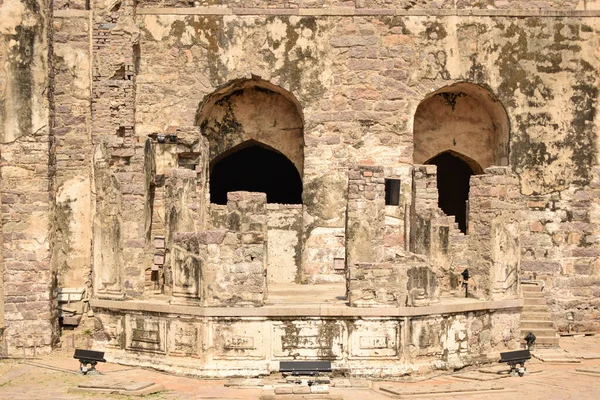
256	169
453	174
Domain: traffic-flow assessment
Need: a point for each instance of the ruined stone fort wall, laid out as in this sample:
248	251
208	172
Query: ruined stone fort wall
27	175
359	70
380	4
360	79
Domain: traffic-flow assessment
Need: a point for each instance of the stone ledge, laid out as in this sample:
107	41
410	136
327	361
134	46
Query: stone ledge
185	11
265	11
71	14
349	11
317	310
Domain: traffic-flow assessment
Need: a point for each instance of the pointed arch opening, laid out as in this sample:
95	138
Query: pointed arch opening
253	110
454	172
254	167
464	118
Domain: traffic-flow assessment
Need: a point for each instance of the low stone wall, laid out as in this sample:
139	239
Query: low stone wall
359	342
225	267
408	281
375	285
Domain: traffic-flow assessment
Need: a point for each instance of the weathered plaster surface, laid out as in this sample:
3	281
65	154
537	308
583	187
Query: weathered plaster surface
26	172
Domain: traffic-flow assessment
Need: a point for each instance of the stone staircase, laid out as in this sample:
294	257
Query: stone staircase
536	317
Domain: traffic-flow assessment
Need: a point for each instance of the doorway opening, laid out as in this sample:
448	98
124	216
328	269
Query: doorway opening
453	174
255	168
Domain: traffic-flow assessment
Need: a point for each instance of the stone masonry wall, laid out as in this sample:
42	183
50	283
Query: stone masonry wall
359	71
494	246
365	216
559	246
114	43
72	125
381	4
2	85
360	79
236	273
27	175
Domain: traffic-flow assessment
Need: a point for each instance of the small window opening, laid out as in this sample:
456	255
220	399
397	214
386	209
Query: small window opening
392	192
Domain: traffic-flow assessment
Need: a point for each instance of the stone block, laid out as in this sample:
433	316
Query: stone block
301	390
319	389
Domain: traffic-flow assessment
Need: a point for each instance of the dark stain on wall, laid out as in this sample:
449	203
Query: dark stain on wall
19	62
581	137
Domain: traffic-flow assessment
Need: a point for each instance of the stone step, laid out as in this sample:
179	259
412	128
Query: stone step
534	308
531	288
529	324
535	316
534	295
539	332
535	301
543	341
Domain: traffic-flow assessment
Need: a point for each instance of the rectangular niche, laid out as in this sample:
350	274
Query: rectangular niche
375	339
308	340
392	192
145	334
238	340
184	338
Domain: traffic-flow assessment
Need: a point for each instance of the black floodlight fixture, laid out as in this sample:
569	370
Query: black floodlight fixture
171	138
161	138
530	339
465	275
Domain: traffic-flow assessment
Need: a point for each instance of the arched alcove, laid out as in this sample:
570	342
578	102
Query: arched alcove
253	110
254	167
453	174
464	118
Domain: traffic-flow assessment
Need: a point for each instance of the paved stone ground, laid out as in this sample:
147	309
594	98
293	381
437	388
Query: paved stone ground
575	374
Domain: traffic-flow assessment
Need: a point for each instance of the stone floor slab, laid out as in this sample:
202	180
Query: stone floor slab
480	376
594	369
441	390
245	382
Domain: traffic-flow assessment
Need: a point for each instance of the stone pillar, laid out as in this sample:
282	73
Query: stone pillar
236	269
324	213
494	233
107	230
71	62
115	50
365	219
424	208
181	215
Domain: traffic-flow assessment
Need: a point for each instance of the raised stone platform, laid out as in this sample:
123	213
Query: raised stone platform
250	341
